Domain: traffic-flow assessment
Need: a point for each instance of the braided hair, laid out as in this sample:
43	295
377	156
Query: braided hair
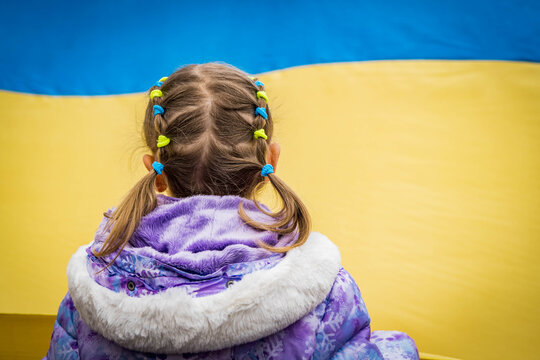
209	128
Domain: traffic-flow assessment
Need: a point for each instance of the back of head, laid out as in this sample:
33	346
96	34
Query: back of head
218	127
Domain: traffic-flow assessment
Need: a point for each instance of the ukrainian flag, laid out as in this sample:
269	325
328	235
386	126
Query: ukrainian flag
410	128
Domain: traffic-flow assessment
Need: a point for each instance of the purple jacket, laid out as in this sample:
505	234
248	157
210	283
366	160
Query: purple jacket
193	282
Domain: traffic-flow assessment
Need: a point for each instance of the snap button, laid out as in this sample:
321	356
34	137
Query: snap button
229	283
131	285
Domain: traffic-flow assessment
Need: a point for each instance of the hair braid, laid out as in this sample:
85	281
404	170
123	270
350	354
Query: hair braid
159	122
261	123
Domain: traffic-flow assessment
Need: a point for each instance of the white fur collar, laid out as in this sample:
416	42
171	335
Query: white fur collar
262	303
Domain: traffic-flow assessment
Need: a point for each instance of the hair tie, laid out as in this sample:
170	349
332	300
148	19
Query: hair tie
162	141
158	110
158	167
261	111
260	134
267	169
260	94
258	83
155	93
252	77
160	82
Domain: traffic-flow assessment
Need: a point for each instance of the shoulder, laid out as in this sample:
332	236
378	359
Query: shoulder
346	296
345	328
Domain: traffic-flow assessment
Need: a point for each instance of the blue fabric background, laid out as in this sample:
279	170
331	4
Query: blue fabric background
114	47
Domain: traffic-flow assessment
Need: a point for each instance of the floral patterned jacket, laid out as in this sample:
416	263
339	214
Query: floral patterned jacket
193	284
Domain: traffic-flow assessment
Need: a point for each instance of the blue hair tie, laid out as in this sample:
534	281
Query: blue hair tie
267	169
158	110
261	111
258	83
160	82
158	167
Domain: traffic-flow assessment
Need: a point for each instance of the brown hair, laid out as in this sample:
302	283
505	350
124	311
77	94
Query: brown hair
210	119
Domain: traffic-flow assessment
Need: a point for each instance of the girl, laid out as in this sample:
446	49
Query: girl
207	272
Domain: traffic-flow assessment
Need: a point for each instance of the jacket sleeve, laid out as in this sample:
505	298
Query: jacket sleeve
345	329
346	323
64	337
395	345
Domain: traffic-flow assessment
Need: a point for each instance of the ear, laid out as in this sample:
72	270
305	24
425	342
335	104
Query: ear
273	155
160	183
148	160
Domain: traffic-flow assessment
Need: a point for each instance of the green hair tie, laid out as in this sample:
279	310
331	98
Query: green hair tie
260	134
262	94
162	141
155	93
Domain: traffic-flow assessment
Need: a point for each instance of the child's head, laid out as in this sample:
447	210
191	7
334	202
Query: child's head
210	127
209	117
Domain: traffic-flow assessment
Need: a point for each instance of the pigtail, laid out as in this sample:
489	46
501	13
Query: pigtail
140	201
293	216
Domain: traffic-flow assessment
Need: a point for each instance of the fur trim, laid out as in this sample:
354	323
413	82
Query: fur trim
262	303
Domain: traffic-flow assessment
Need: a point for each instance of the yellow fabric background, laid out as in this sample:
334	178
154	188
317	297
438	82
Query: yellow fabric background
425	173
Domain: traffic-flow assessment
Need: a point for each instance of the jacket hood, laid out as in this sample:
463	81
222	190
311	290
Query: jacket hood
192	278
200	234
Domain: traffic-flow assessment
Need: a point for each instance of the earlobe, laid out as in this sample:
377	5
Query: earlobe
160	183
